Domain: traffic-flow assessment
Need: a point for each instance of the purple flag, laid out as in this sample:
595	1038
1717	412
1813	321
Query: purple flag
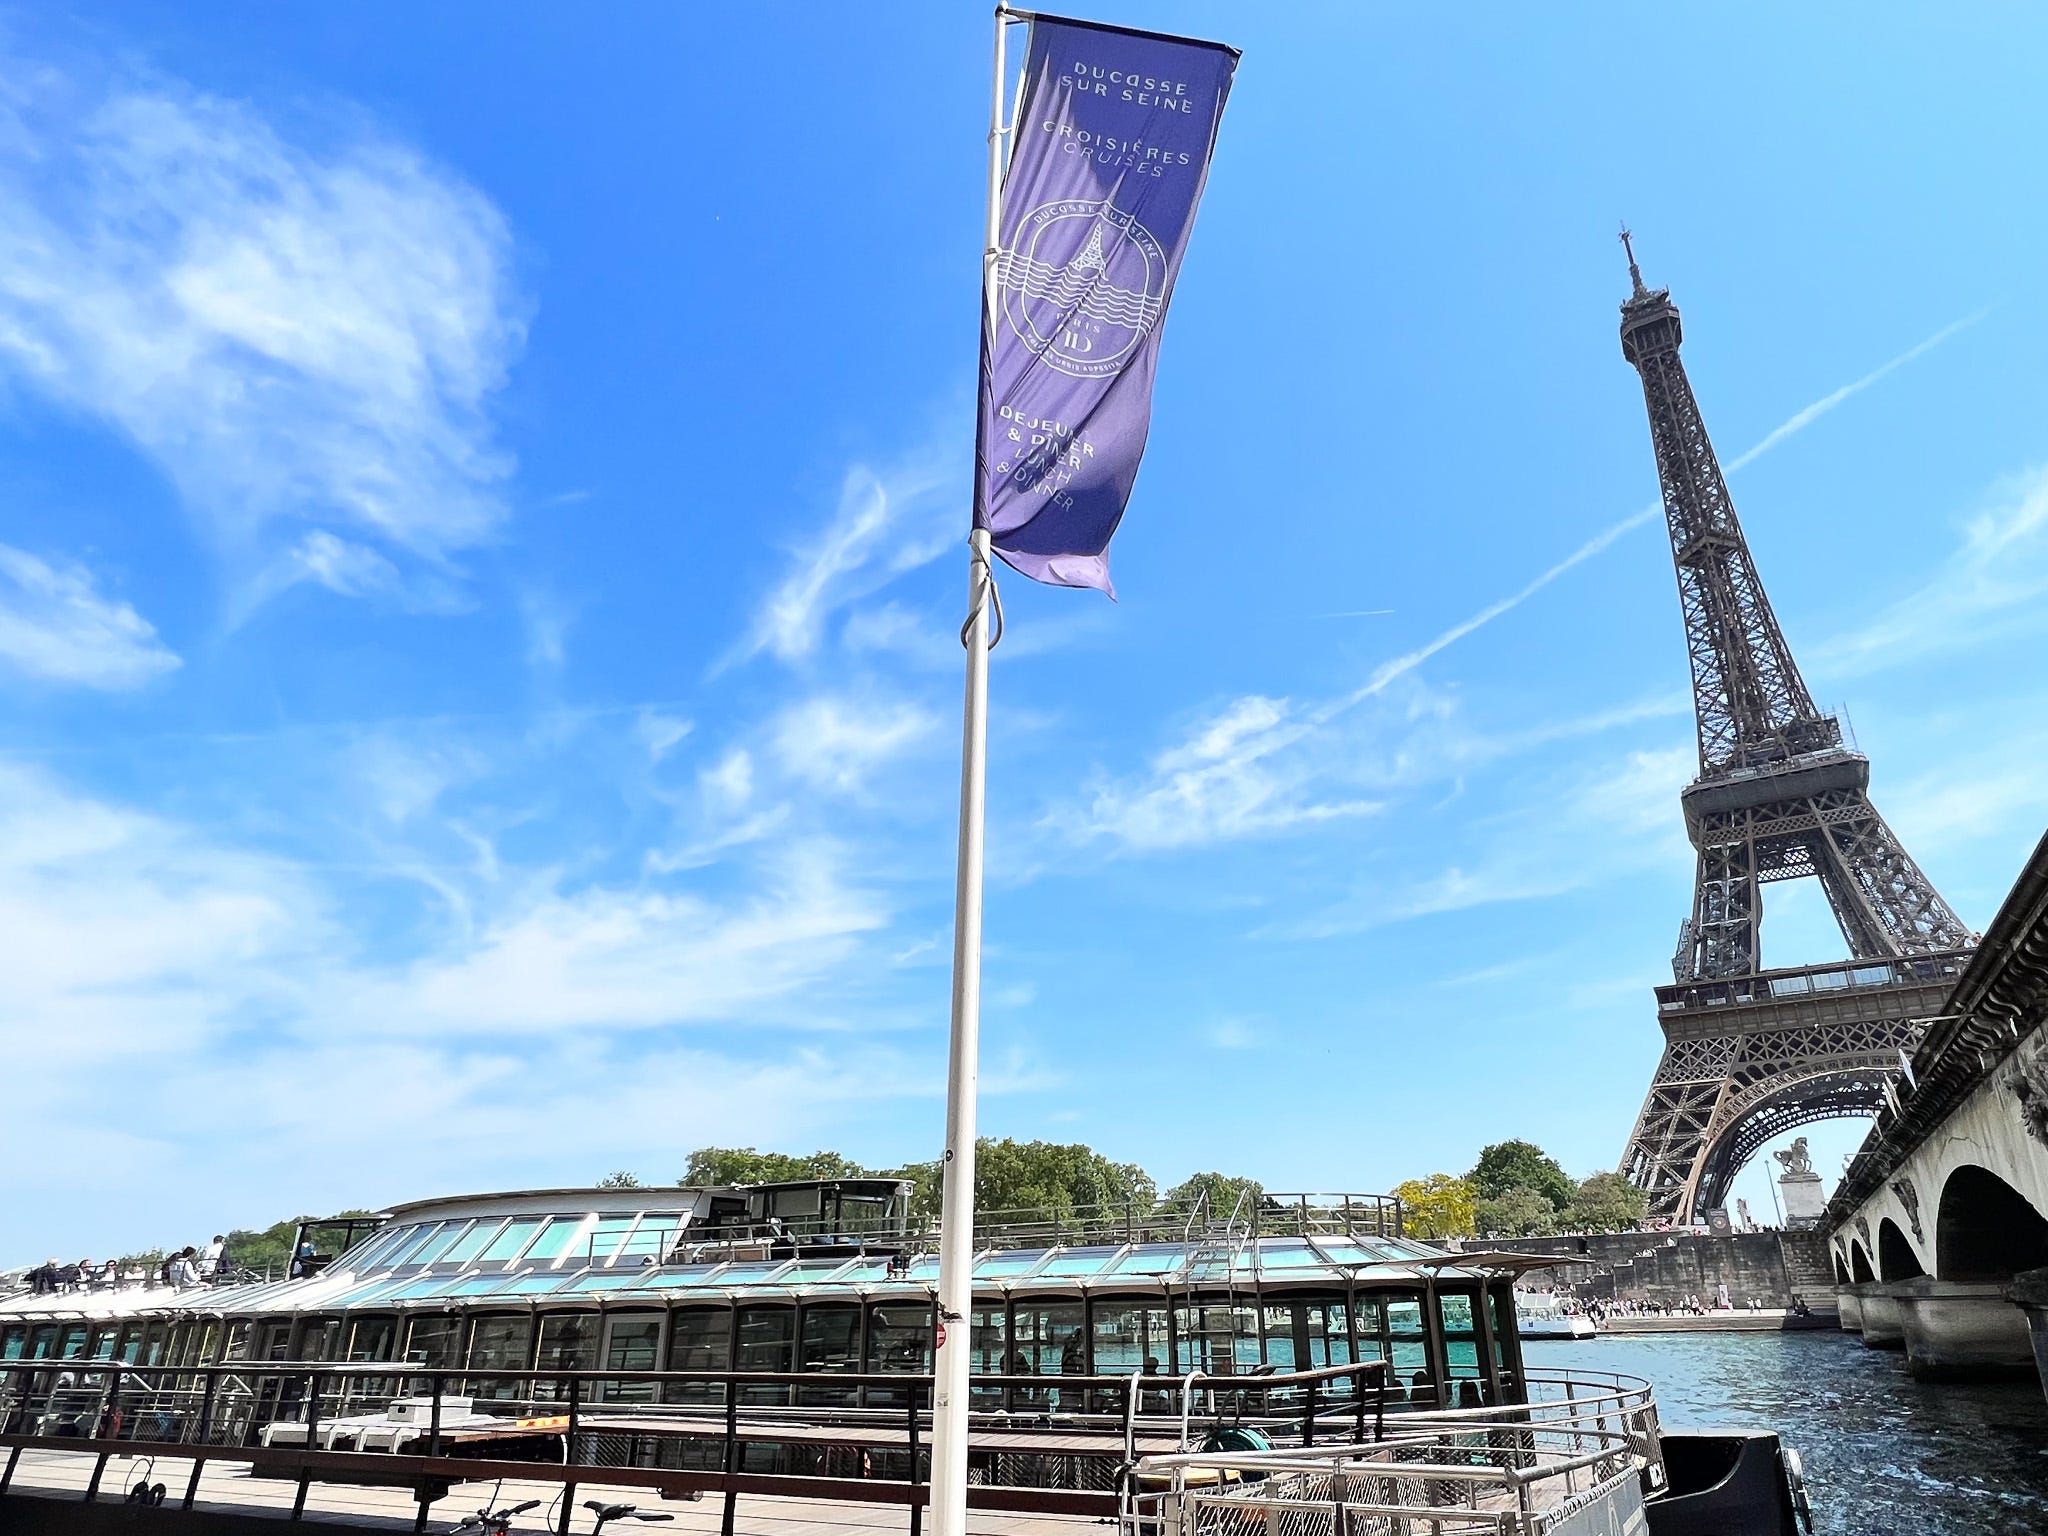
1111	146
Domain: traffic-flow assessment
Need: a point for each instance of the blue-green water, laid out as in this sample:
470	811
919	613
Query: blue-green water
1885	1455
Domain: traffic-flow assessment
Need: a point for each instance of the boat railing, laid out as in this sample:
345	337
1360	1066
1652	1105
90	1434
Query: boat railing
1107	1446
1502	1480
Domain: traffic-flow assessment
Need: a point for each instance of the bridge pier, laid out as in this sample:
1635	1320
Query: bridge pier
1880	1311
1849	1307
2029	1293
1957	1330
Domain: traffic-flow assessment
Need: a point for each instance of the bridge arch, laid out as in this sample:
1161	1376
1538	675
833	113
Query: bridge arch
1765	1111
1841	1269
1985	1229
1896	1259
1860	1272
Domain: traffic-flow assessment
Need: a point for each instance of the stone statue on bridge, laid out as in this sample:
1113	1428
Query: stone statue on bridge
1795	1159
1799	1186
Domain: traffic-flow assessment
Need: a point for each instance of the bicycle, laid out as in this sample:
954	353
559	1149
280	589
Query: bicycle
494	1522
607	1513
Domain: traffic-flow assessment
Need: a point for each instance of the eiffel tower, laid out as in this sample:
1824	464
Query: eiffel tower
1751	1053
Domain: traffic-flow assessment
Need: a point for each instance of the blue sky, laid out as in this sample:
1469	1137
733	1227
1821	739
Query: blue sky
481	502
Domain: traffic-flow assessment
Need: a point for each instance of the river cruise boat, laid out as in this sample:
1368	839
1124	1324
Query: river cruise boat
691	1338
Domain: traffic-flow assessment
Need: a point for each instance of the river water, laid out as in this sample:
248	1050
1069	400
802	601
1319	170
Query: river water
1885	1455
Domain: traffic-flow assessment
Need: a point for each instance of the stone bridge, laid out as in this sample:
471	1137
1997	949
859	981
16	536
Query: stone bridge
1943	1213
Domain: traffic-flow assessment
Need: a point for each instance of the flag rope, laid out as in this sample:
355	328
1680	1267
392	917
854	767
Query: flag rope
984	582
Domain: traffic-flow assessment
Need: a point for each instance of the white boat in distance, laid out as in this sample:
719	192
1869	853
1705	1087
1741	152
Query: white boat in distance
1542	1315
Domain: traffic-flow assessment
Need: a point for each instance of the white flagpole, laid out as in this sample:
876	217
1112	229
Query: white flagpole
956	1211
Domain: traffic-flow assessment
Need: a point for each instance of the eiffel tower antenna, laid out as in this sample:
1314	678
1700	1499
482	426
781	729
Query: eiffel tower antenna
1778	796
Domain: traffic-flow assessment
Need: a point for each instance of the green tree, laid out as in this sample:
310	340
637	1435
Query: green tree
1065	1182
744	1165
1607	1202
1224	1191
620	1180
1509	1165
1438	1206
1517	1212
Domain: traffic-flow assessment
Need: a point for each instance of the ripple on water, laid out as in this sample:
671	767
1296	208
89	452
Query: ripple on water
1885	1455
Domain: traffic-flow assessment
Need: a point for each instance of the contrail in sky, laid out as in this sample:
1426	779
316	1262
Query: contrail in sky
1388	671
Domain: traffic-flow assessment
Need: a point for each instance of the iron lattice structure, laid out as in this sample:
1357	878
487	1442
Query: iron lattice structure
1779	795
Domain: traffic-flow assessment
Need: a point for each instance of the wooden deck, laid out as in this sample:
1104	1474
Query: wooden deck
228	1489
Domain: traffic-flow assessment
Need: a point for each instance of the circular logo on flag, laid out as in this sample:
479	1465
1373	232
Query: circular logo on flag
1082	284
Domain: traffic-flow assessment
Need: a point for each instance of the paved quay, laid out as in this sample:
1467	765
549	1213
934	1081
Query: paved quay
1770	1320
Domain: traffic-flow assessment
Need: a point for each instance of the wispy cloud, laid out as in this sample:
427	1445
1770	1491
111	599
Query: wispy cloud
57	627
1247	769
833	742
886	522
1991	585
293	328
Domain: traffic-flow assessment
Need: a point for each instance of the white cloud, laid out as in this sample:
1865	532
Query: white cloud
1231	778
834	743
1990	586
56	627
1604	819
304	328
221	999
886	523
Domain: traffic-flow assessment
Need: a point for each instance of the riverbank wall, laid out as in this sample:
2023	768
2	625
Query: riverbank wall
1771	1268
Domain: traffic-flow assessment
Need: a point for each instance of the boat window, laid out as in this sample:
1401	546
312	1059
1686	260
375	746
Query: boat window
209	1342
1368	1328
1215	1337
900	1336
1046	1340
376	1290
568	1342
1081	1261
11	1341
1309	1334
409	1240
652	1239
436	1249
739	1274
1504	1326
372	1338
1001	1265
40	1340
103	1343
603	1281
482	1285
1408	1348
1150	1259
529	1285
318	1339
154	1338
988	1340
554	1241
764	1342
1461	1347
632	1342
419	1289
371	1251
831	1343
864	1213
472	1242
1130	1337
513	1240
699	1339
434	1341
499	1344
605	1235
238	1342
181	1341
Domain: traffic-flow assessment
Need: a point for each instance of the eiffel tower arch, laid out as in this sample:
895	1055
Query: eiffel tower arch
1751	1053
